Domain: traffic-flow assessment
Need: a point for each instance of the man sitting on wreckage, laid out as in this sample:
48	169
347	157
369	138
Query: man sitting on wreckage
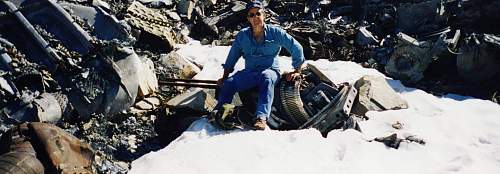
259	45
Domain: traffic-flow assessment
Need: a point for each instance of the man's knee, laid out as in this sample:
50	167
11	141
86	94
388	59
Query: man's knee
269	76
229	83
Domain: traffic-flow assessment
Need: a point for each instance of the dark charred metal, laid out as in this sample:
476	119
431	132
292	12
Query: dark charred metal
312	102
73	62
33	44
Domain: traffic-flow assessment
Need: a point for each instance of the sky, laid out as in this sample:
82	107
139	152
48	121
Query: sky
462	135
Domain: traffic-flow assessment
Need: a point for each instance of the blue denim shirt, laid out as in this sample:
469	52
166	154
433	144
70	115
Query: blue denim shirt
260	56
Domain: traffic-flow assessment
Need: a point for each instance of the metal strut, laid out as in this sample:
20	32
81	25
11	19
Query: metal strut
210	84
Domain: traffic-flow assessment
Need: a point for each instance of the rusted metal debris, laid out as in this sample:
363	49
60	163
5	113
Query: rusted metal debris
153	23
17	152
64	152
394	141
78	61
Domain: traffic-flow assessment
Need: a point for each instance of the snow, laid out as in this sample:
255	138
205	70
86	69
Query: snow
462	135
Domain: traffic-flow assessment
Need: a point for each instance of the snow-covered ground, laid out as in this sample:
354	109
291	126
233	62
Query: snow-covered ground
462	135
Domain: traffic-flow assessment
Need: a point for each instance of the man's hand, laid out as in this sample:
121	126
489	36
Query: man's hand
220	82
293	75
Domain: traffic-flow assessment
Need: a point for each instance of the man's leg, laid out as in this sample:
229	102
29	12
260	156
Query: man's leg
267	80
240	81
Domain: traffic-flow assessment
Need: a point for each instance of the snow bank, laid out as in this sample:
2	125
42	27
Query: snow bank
462	135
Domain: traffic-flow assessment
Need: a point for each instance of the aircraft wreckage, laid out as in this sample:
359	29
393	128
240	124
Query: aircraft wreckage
98	69
314	101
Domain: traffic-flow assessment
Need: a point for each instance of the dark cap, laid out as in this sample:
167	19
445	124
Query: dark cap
254	4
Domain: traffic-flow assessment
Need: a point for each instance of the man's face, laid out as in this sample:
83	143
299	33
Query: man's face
256	17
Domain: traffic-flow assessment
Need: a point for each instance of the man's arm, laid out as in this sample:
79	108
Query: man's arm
232	58
295	49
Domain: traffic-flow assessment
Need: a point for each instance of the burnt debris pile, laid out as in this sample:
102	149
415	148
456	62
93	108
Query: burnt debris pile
100	69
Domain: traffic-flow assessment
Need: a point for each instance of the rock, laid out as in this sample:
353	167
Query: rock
238	6
149	83
132	140
397	125
183	67
376	95
144	105
186	7
6	86
102	4
87	125
147	104
123	165
197	100
158	3
173	15
153	100
137	111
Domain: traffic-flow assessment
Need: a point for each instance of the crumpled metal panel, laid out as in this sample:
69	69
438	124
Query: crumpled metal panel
20	163
17	153
110	93
334	114
122	95
48	108
478	61
22	33
106	26
14	140
53	18
410	59
150	21
66	153
45	108
416	18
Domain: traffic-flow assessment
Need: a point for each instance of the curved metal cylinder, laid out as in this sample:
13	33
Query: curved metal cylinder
20	163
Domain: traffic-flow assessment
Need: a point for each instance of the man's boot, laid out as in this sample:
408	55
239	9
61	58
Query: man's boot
260	124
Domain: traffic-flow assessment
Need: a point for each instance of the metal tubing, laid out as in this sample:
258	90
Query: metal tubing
191	80
200	85
44	45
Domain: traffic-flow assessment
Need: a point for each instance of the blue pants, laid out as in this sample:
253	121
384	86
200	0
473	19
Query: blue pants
246	79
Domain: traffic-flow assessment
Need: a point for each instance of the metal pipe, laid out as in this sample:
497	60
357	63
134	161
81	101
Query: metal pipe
191	80
199	85
44	45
